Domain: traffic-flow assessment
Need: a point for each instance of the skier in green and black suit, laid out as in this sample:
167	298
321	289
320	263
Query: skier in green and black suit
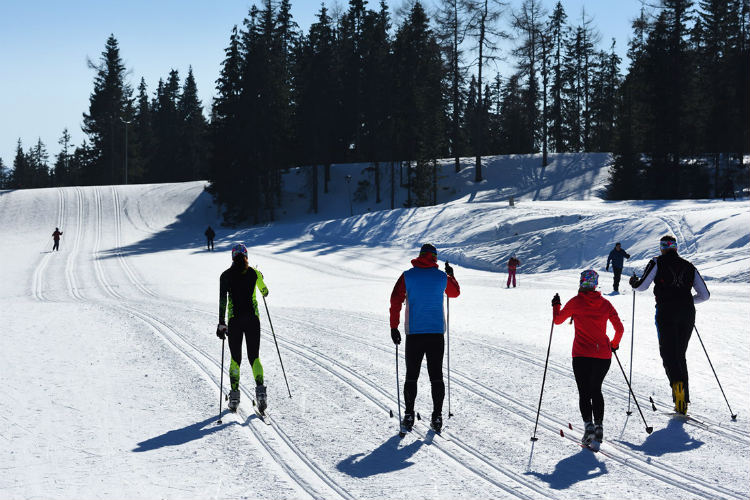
237	293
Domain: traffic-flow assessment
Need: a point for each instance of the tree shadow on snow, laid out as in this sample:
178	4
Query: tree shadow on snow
579	467
671	439
388	457
184	435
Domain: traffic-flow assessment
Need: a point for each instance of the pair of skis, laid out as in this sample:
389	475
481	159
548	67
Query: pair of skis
263	415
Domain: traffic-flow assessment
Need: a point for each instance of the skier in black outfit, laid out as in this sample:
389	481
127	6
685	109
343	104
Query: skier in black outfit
210	235
673	278
422	287
238	284
56	237
616	257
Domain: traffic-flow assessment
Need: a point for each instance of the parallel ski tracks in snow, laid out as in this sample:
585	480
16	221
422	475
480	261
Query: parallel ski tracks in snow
618	453
201	360
517	354
70	262
37	278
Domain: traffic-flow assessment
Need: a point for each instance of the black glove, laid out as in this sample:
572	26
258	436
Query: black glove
556	300
395	336
633	280
614	349
221	331
448	269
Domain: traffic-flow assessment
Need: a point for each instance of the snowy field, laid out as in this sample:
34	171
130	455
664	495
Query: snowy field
110	367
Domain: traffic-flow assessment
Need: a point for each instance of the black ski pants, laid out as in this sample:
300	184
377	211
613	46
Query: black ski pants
590	373
419	345
210	243
674	326
618	273
249	326
56	245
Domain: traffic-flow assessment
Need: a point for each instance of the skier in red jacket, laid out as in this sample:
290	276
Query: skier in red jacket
592	349
513	263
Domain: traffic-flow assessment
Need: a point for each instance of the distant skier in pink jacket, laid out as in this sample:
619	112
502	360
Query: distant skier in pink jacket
513	263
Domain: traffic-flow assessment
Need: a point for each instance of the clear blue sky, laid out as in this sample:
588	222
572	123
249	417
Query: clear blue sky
45	82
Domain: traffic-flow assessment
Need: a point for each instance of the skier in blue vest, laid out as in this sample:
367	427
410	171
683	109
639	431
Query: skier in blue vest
616	257
423	287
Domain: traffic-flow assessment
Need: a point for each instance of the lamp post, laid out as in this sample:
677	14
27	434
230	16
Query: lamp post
348	179
126	122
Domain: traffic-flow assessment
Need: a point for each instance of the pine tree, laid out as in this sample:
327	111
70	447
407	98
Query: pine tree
4	176
110	102
60	175
557	30
192	138
483	16
141	165
451	34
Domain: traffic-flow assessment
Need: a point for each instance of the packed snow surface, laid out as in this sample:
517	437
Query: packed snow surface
111	369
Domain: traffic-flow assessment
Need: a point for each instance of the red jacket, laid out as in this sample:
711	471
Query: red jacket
590	312
398	295
513	263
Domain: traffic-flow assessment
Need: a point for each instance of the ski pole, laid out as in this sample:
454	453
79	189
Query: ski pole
544	377
221	384
649	430
734	415
398	396
277	345
632	340
448	331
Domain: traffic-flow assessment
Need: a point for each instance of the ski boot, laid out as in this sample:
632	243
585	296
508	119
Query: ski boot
598	433
588	434
407	423
436	424
680	404
260	398
234	400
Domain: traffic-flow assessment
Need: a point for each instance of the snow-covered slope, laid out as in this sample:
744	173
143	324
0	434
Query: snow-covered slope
111	370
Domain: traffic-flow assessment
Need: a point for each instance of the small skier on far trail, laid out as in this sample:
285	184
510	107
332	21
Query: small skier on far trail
592	350
237	293
513	263
423	287
210	235
56	237
616	257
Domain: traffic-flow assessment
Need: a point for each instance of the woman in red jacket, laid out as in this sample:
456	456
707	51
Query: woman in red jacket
592	349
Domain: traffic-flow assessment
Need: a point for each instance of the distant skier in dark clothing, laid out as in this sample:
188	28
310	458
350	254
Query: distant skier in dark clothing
56	237
513	263
673	278
592	349
423	287
210	235
616	257
237	295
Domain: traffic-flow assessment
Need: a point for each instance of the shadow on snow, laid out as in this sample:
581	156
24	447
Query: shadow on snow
388	457
184	435
576	468
671	439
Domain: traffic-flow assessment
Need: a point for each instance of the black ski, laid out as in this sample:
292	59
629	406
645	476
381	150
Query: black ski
262	415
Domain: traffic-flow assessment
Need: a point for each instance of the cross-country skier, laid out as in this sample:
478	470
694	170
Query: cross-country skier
422	287
513	263
673	278
210	235
617	257
592	349
56	237
237	293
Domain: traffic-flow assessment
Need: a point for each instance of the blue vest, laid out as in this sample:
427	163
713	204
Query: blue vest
424	300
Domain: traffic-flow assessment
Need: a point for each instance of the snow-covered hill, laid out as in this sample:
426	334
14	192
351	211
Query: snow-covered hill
110	367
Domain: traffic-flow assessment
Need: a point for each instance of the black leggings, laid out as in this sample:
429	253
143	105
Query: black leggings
674	328
419	345
250	327
590	373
